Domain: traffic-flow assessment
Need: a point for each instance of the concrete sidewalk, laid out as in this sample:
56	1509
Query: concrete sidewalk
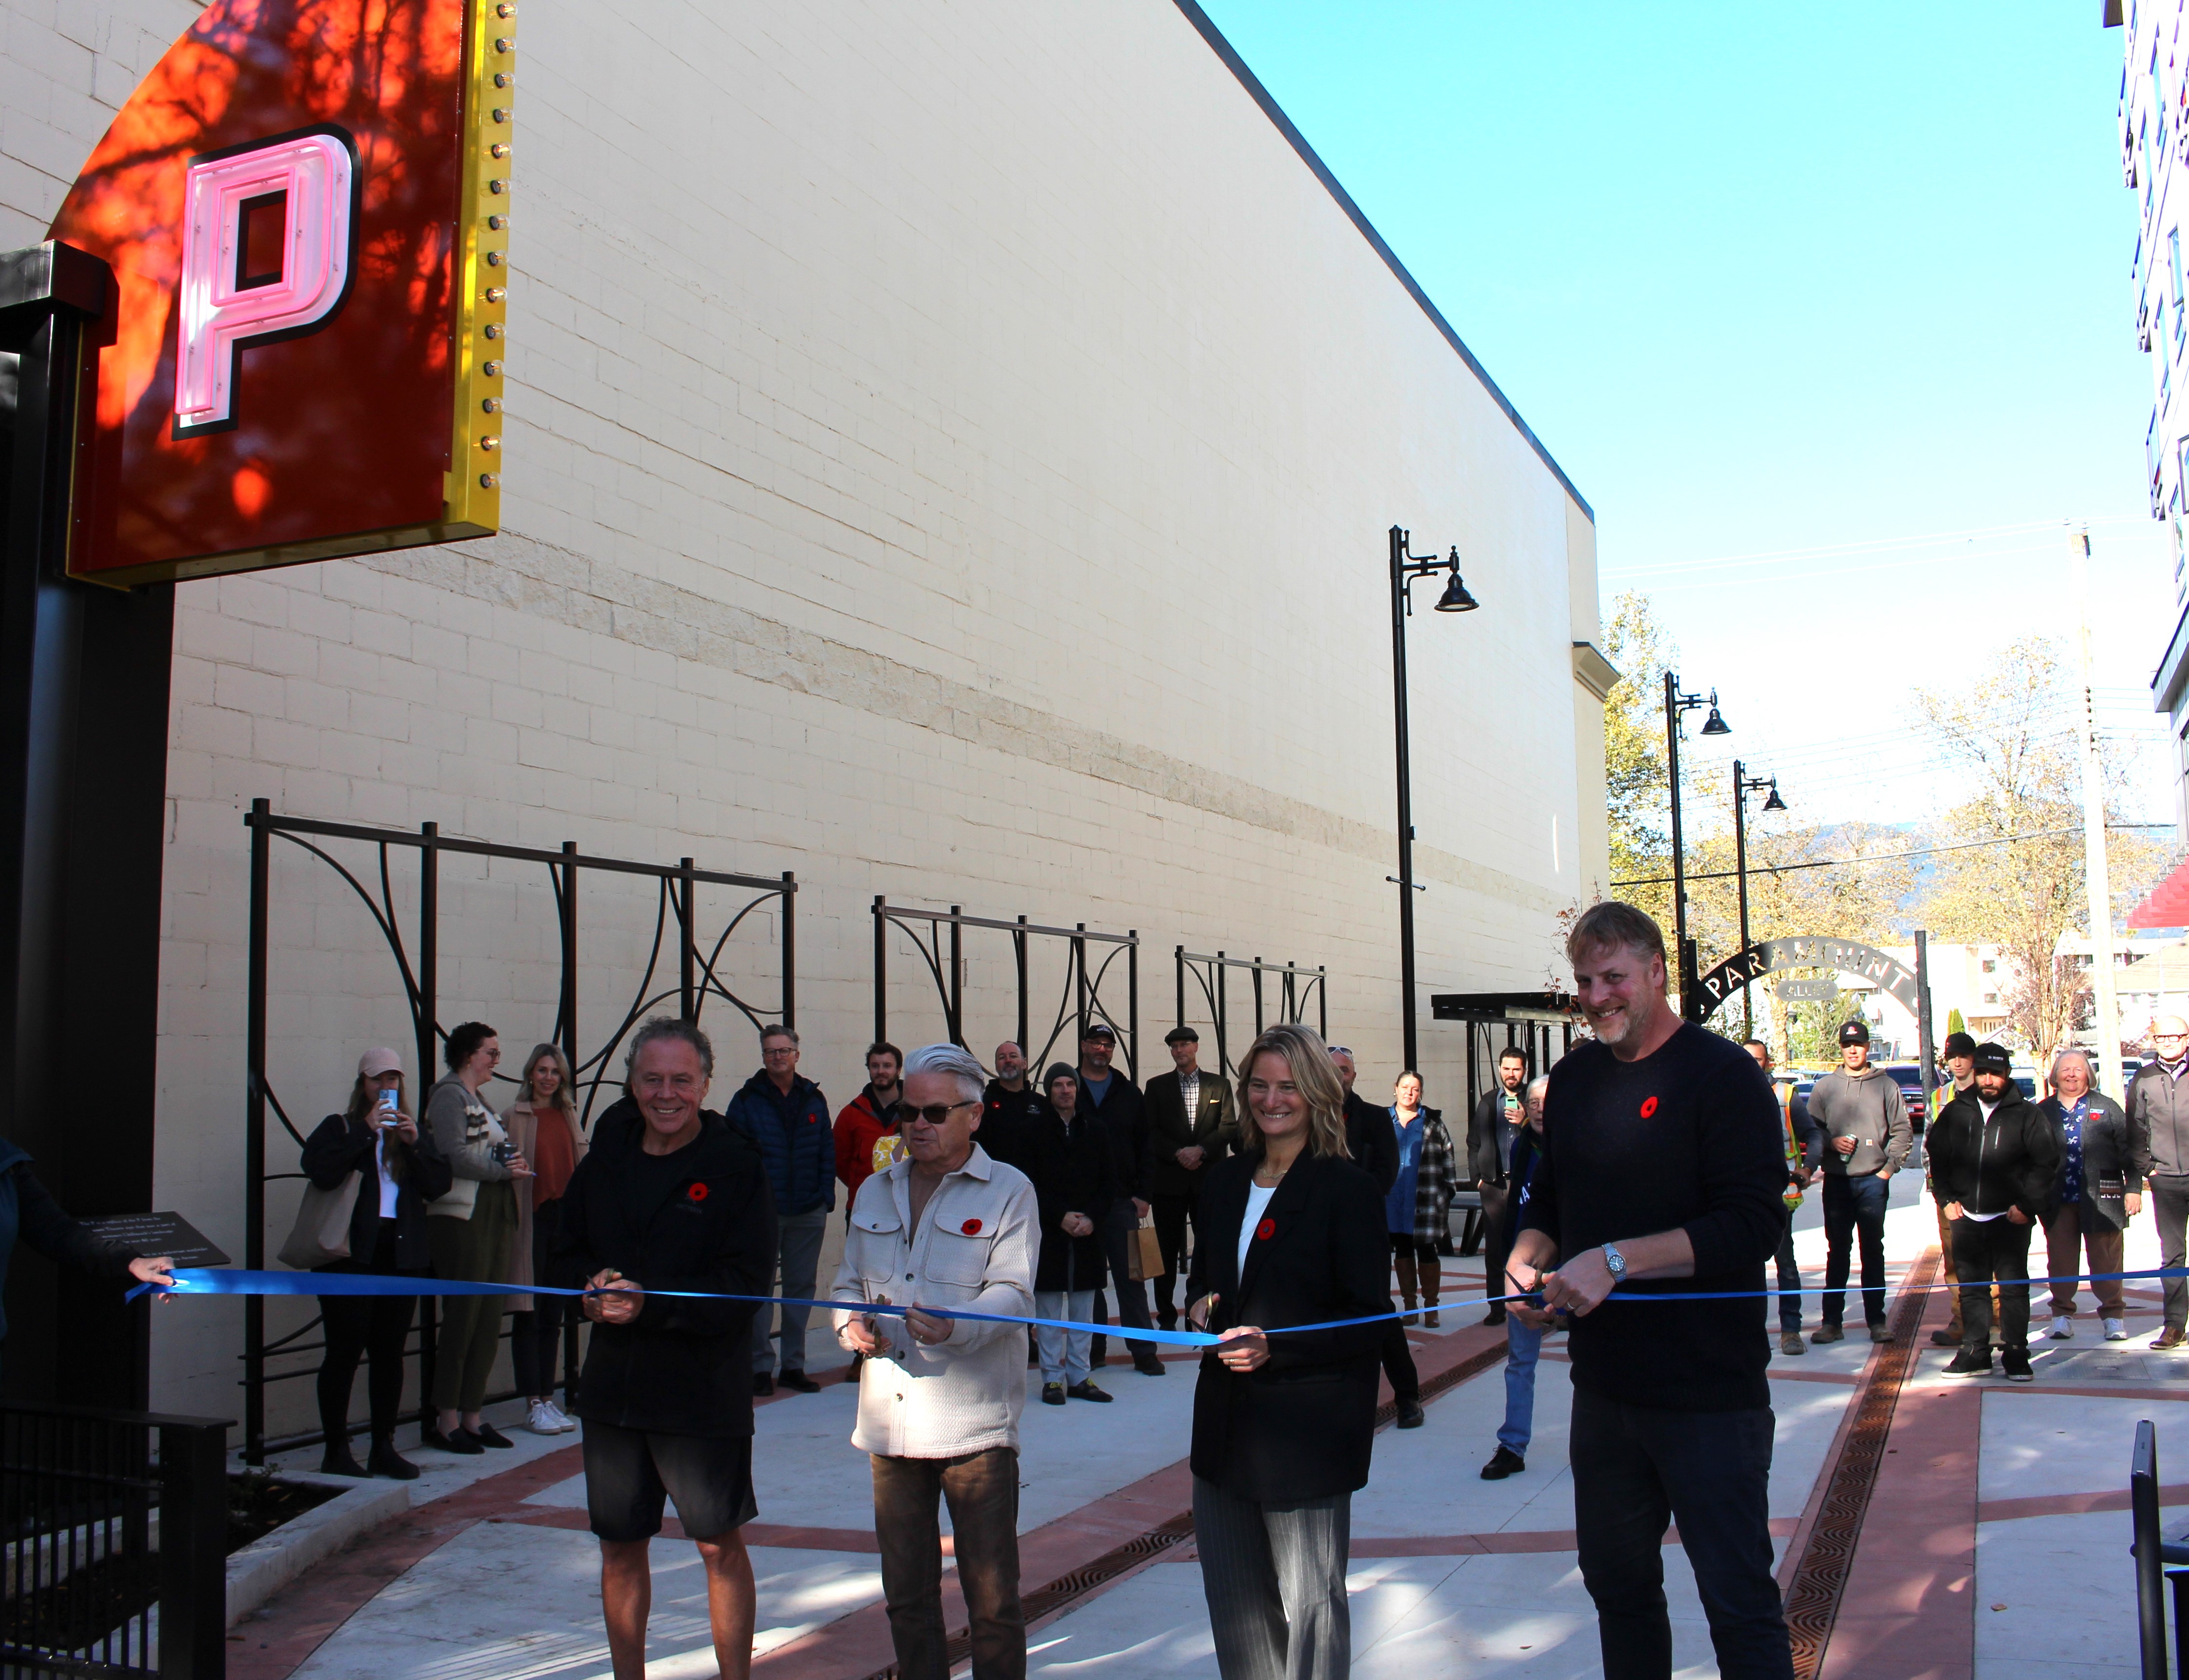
1988	1531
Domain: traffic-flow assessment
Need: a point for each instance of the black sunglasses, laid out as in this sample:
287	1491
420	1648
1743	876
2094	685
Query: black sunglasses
935	1112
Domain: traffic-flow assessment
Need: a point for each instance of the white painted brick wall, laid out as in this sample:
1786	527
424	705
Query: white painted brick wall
949	448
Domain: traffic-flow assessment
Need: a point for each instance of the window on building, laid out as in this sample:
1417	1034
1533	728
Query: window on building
1991	965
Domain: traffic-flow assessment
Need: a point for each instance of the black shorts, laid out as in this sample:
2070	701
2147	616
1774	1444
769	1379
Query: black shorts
629	1473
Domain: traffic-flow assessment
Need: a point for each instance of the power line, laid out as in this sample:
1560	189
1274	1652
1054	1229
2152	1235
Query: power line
1881	857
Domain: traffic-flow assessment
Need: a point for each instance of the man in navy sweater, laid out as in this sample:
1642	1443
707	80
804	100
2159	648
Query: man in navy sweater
1660	1173
784	1116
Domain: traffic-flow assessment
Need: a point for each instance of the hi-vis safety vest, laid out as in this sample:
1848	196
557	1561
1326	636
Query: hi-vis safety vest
1796	1156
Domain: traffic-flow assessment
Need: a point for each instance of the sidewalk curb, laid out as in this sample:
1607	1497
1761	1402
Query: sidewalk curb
272	1560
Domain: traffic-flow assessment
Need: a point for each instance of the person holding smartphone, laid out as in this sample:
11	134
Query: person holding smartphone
377	1139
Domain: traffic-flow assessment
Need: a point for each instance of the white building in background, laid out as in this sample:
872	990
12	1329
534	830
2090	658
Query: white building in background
2154	140
948	449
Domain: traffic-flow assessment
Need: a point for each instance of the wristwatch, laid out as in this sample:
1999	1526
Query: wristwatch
1614	1263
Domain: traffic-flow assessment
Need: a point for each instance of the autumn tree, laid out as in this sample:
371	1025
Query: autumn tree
2015	876
1636	788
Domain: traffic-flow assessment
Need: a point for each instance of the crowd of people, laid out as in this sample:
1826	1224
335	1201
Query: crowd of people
1655	1158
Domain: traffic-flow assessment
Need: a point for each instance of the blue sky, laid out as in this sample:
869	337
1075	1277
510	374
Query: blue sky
1825	309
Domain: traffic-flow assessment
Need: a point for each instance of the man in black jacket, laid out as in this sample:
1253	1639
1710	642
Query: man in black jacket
1010	1107
1191	1126
1500	1116
1993	1159
666	1396
1375	1149
1121	1116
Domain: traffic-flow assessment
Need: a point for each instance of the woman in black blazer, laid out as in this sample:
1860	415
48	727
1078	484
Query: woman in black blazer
1291	1233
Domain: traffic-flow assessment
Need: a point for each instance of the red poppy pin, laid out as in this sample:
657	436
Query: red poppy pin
971	1227
1648	1106
1266	1230
696	1193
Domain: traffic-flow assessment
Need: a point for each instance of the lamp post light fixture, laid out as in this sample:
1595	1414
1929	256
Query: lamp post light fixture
1405	568
1743	785
1683	953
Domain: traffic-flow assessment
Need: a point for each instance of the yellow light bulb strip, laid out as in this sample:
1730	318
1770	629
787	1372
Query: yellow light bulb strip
473	493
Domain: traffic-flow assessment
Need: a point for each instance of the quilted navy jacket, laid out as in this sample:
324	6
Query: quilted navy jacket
795	1138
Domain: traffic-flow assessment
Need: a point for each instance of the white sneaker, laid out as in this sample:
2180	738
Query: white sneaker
2116	1330
2063	1328
543	1419
562	1418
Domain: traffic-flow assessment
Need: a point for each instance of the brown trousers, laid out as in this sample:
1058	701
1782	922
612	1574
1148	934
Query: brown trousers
982	1489
2068	1231
1947	1274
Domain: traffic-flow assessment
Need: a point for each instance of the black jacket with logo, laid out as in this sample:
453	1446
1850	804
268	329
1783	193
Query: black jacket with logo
1990	1165
1007	1119
707	1225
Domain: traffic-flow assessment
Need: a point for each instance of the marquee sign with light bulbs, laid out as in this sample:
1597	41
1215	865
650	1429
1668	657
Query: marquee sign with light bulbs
306	209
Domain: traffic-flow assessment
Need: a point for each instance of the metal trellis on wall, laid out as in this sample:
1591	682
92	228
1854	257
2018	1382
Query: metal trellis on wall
1081	1003
1297	986
701	974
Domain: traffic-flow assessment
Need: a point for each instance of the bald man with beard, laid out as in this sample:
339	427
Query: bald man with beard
2158	1143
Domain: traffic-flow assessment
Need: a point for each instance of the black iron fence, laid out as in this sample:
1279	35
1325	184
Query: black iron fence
640	963
117	1526
938	939
2152	1553
1296	989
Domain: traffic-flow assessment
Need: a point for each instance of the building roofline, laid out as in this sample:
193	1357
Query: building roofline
1271	108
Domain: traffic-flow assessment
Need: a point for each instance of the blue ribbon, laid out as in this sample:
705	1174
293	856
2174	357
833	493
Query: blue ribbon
202	1281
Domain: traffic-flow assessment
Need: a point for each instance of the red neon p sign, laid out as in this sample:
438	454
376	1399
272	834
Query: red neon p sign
222	308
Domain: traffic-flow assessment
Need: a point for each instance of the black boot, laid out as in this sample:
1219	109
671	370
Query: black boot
337	1460
385	1461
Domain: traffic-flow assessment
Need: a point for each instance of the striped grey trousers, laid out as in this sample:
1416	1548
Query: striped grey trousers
1275	1579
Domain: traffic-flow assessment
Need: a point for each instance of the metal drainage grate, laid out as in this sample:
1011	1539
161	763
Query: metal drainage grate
1812	1603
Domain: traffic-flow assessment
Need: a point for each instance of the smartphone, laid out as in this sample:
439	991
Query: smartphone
387	1105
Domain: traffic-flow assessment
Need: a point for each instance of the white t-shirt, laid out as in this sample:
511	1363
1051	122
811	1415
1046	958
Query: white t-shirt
1257	1200
389	1189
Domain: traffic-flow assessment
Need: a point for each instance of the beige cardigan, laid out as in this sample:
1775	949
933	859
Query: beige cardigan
522	1122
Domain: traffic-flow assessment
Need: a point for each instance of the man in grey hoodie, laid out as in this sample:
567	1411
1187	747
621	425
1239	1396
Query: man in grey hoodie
1867	1137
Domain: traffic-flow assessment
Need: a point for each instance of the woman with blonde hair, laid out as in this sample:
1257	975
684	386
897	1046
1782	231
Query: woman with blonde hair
1291	1233
543	1128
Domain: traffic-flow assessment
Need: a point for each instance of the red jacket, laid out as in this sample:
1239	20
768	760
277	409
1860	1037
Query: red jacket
865	1143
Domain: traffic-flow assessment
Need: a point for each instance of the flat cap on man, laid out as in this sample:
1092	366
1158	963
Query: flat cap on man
1181	1035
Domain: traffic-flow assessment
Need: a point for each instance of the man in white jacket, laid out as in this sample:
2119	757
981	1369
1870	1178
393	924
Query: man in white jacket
940	1398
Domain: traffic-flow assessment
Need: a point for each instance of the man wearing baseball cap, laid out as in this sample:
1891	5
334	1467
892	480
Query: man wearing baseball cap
1867	1137
1120	1115
1993	1158
1961	1059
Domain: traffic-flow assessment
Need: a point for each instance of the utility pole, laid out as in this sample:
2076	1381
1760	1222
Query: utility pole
2097	880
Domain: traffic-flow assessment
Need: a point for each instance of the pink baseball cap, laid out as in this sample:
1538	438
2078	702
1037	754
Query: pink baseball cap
374	1062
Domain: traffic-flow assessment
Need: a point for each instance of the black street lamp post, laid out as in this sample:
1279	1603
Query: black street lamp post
1683	953
1743	785
1405	567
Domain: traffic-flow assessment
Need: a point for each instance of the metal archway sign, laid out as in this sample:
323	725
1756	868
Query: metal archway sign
1808	950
